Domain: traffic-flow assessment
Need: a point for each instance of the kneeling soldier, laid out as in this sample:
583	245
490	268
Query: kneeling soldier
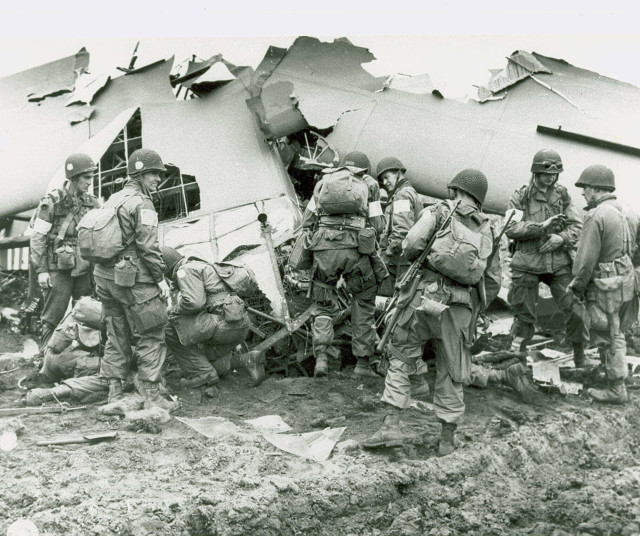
209	319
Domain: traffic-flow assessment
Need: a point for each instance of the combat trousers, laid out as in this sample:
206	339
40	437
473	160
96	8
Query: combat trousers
361	283
453	364
86	386
523	296
193	359
612	347
130	315
63	288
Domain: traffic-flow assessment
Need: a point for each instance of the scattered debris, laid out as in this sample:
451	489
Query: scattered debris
269	423
91	438
211	427
315	446
23	527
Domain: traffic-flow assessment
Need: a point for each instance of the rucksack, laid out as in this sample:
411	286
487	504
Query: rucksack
341	192
99	233
461	253
238	277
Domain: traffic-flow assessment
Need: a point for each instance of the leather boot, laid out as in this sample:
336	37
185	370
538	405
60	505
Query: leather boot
389	435
115	390
447	439
253	364
322	365
615	394
223	366
36	397
153	399
208	378
419	386
579	360
519	344
363	369
516	378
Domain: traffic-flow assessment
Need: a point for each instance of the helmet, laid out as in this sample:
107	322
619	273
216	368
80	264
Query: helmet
358	160
388	163
171	257
472	181
77	164
597	176
144	160
546	161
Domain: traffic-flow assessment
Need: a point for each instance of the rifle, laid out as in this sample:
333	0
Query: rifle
410	278
8	412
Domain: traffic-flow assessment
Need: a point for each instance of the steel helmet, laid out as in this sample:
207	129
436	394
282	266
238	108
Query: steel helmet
77	164
597	176
387	164
472	181
171	257
357	159
144	160
546	161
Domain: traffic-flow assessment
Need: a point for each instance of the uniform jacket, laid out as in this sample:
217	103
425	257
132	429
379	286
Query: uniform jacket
431	219
139	223
402	212
199	285
528	235
602	239
50	217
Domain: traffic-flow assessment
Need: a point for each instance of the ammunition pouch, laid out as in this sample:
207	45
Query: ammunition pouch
614	284
66	257
233	309
148	311
367	241
301	257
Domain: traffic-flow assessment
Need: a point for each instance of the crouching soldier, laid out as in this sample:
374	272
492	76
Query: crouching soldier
603	274
444	305
209	319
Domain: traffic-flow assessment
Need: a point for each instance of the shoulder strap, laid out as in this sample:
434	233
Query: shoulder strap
64	227
116	208
626	232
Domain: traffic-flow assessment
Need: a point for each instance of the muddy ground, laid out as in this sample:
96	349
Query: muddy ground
557	467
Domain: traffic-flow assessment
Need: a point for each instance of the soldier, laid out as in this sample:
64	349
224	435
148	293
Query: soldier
545	239
209	319
133	289
402	211
62	274
343	243
445	309
603	274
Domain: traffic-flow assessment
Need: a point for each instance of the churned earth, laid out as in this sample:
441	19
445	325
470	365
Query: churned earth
559	466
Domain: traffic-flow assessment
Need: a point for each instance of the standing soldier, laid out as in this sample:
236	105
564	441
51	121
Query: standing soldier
401	212
132	288
444	307
544	239
604	275
209	318
62	274
343	243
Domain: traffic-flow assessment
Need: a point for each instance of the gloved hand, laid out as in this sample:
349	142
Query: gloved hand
553	242
44	280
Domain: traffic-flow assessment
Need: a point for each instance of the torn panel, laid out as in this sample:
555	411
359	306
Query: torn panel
277	111
220	146
80	114
520	65
86	88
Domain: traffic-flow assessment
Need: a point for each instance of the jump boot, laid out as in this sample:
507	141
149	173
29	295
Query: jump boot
208	378
364	369
519	344
118	403
36	397
152	398
253	364
447	439
389	435
322	365
616	394
579	359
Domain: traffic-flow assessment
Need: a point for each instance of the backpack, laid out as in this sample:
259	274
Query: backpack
460	253
238	277
100	235
341	192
